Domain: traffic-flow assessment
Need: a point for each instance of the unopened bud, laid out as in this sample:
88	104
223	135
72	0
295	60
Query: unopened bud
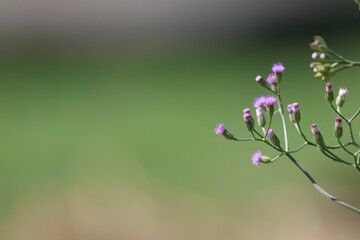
274	139
260	117
323	56
294	112
221	130
261	81
318	44
249	122
297	115
329	94
314	55
291	113
318	137
338	130
340	99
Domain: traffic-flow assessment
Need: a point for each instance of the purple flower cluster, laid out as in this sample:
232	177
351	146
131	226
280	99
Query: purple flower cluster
266	101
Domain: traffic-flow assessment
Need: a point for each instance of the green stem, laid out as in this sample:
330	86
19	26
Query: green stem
320	189
243	139
348	123
355	115
303	135
267	130
299	148
345	149
335	158
339	146
281	111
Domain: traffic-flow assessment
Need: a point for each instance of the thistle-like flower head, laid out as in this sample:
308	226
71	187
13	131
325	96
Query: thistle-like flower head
278	68
256	158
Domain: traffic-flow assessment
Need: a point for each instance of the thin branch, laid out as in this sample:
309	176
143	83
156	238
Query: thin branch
320	189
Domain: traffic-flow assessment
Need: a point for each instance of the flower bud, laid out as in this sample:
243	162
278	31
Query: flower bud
294	112
291	113
249	122
340	99
274	139
323	71
260	117
323	56
261	81
329	94
221	130
338	130
318	137
315	55
318	44
246	110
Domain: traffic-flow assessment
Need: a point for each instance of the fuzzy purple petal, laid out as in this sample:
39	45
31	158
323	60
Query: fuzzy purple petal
259	101
256	158
220	129
278	68
271	79
270	101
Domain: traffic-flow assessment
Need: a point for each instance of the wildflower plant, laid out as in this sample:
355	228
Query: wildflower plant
266	107
326	62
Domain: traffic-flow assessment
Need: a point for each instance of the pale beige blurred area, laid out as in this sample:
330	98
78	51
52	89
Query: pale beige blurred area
95	211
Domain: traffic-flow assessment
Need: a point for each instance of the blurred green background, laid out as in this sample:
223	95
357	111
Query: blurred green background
115	139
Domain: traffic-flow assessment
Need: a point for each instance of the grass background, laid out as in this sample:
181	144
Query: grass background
121	144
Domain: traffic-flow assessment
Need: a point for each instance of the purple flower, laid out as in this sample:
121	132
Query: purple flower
271	79
278	68
256	158
290	108
271	133
259	101
274	139
270	101
247	117
293	108
220	129
246	110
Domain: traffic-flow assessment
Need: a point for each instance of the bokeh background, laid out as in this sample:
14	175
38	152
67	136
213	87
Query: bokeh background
108	110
